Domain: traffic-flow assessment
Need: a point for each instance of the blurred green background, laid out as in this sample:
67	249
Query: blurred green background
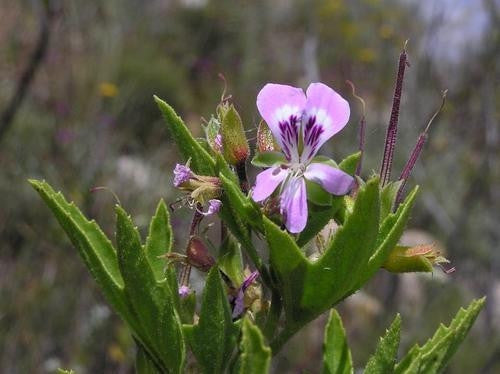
87	119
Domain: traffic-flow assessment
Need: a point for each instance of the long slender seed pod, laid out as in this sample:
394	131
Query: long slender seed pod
362	127
405	174
392	129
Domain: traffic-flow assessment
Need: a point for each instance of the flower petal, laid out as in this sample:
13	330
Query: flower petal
267	181
331	179
326	113
281	106
294	205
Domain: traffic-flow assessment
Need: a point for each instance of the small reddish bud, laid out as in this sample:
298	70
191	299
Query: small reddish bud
198	255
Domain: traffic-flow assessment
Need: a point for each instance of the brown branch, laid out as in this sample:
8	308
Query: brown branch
24	83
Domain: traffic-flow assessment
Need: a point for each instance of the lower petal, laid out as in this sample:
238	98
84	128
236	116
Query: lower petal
331	179
294	205
267	181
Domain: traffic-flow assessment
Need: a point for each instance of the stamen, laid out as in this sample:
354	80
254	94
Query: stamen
405	174
392	129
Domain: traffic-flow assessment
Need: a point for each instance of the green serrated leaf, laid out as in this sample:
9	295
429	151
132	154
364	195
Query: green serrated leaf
340	267
159	241
255	354
435	354
290	267
388	198
384	359
350	163
390	232
239	203
336	354
201	161
152	301
214	338
317	195
93	246
320	216
268	159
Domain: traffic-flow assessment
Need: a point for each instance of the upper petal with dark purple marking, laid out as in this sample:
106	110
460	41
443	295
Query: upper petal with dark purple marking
326	113
282	106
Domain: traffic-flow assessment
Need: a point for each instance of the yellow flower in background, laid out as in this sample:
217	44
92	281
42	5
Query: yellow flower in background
107	89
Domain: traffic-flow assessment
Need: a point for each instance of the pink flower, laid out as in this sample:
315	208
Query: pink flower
182	174
301	123
184	291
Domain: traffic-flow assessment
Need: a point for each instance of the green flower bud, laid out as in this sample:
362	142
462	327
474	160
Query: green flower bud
420	258
234	142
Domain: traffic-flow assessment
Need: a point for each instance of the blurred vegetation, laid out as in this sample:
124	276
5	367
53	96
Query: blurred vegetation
88	119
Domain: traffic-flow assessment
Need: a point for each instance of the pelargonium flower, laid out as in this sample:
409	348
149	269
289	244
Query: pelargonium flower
301	123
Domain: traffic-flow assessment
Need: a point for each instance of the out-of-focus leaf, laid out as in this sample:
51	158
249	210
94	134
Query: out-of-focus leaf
336	354
384	358
214	337
143	363
152	301
159	241
434	355
255	354
201	161
187	308
268	159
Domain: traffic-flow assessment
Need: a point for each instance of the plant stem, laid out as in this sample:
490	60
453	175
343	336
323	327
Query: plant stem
283	338
273	316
